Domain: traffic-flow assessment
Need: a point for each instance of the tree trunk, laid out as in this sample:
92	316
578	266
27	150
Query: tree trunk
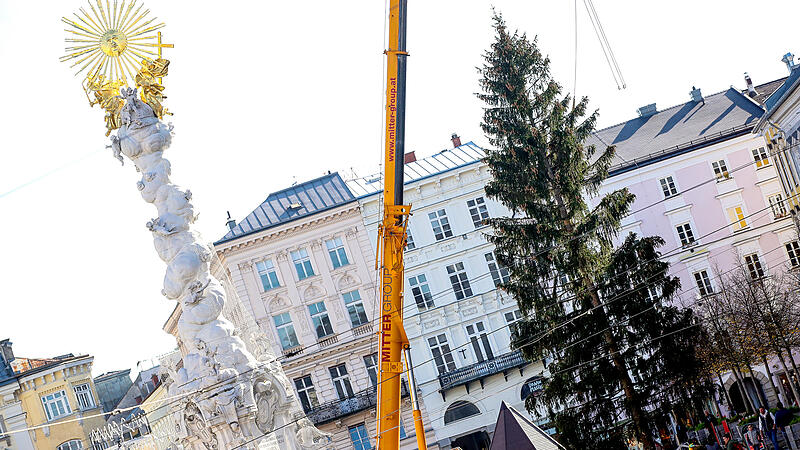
771	380
760	396
788	377
794	367
748	403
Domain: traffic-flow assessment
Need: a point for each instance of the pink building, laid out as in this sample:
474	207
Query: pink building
707	186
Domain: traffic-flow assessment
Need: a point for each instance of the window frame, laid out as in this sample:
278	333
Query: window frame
337	252
341	381
61	398
686	234
720	169
421	291
302	260
478	211
754	266
760	155
306	400
445	353
702	282
371	364
268	274
779	205
320	314
668	186
85	391
500	273
361	439
737	218
70	445
438	220
288	325
410	245
459	280
793	251
355	304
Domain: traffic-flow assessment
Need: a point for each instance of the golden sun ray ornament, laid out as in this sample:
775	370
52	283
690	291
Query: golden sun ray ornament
117	45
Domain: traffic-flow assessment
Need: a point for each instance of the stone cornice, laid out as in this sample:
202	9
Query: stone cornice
291	229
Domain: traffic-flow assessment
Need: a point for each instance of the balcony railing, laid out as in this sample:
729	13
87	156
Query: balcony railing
481	370
361	400
363	329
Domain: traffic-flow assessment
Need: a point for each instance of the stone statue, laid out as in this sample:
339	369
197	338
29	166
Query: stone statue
228	397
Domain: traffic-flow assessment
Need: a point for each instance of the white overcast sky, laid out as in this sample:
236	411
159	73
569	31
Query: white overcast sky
265	93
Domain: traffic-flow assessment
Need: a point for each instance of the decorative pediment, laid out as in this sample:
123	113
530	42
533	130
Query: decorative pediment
347	281
278	303
314	290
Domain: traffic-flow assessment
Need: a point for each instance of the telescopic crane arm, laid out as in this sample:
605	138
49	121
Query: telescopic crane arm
392	240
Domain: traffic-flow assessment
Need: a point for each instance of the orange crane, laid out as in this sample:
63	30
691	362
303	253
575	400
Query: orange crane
394	346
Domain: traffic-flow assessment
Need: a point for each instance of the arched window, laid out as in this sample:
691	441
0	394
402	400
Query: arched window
74	444
460	410
534	386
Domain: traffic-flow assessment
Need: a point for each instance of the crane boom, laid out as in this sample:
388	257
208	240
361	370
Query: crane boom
392	241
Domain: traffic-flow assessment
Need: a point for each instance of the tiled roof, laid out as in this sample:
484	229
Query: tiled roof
441	162
678	128
311	197
763	91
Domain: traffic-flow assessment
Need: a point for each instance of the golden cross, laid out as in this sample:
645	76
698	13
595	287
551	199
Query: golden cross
160	46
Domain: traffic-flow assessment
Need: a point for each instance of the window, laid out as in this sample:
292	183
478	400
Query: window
459	280
441	354
355	308
668	187
440	225
360	437
685	234
320	320
83	392
421	292
754	266
703	283
286	334
478	211
371	362
736	218
341	381
302	263
56	405
511	319
499	272
266	271
778	206
336	252
720	170
760	157
460	410
793	249
409	240
480	342
306	392
74	444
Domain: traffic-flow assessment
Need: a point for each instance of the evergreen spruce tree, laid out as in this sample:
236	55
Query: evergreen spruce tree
622	357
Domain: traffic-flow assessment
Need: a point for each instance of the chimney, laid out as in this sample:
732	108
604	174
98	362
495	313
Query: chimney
456	140
751	91
647	110
788	59
156	380
410	157
696	95
230	223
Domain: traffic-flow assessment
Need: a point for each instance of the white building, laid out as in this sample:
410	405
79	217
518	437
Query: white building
455	318
302	264
12	415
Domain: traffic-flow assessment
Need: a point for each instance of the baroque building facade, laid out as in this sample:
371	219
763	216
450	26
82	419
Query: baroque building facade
12	415
456	319
303	268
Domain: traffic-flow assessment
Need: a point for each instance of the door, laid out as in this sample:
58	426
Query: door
480	341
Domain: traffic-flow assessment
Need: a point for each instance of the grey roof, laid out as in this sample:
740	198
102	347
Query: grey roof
680	128
786	87
314	196
763	91
441	162
515	432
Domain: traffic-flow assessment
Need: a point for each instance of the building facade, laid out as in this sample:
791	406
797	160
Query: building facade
456	319
60	402
12	415
710	188
303	267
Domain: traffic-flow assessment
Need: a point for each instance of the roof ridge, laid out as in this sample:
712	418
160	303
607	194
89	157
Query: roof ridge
295	186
